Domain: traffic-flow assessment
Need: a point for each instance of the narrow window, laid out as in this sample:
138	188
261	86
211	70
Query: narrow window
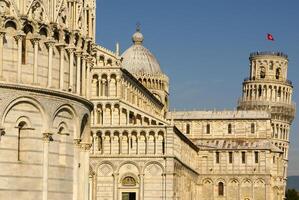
229	129
21	128
252	128
243	157
279	93
100	143
24	51
277	74
262	72
163	147
271	65
131	142
274	159
188	129
230	157
260	91
220	189
208	129
256	157
217	157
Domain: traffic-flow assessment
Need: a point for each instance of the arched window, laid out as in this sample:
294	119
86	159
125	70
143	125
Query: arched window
229	128
188	129
271	65
277	74
62	148
252	128
208	129
100	143
217	157
22	126
24	51
262	72
260	91
220	189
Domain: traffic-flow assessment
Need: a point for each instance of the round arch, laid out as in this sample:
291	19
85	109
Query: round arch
33	102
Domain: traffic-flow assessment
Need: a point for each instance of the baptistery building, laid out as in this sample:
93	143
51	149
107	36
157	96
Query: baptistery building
81	122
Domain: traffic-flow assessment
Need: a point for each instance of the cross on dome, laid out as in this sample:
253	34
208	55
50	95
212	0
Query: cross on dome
137	37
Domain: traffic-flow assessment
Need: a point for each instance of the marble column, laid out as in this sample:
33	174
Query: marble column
94	186
129	143
71	68
115	185
61	69
141	188
76	170
50	43
2	35
46	138
88	79
83	82
78	79
118	87
35	42
155	142
19	37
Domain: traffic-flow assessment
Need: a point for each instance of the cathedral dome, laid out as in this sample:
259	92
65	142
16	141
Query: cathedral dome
139	60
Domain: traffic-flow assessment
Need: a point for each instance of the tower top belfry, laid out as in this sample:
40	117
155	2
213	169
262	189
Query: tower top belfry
267	87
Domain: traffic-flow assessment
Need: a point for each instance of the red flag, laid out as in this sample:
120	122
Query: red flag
270	37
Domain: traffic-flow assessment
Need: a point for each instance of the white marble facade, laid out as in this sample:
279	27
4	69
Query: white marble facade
81	122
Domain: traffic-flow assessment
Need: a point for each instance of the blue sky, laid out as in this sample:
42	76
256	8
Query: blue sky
203	45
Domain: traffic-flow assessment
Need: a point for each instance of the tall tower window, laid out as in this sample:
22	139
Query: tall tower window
229	128
208	129
252	127
262	72
220	189
188	129
271	65
277	74
217	157
260	91
230	157
24	51
256	157
243	157
21	130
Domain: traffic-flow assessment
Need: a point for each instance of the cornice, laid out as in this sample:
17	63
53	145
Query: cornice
50	92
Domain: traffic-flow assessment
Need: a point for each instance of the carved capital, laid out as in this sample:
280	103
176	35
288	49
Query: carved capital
50	42
35	39
71	49
77	142
47	137
2	131
19	36
78	53
2	33
85	56
85	146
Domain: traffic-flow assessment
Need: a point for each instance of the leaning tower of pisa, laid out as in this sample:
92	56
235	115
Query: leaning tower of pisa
267	88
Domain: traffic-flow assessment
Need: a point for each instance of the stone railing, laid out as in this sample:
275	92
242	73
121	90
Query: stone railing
258	53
